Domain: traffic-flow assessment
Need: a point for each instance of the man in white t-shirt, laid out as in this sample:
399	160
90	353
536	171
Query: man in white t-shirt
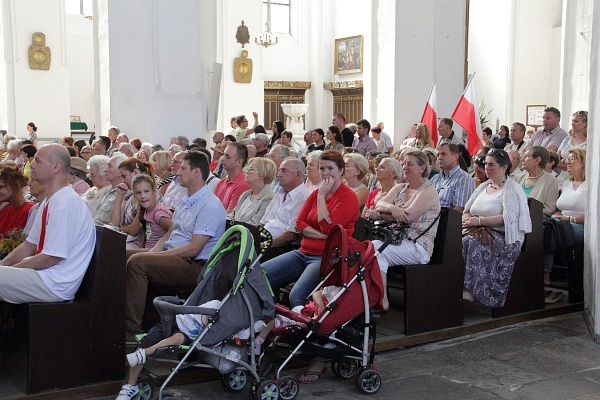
49	266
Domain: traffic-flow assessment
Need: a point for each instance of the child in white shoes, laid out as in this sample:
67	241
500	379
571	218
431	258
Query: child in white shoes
189	326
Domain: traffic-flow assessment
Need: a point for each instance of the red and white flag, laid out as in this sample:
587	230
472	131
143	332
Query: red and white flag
466	114
429	117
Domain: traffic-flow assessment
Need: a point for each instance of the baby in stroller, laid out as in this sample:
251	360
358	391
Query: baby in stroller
186	328
312	309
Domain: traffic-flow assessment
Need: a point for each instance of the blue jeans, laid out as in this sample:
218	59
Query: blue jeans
298	267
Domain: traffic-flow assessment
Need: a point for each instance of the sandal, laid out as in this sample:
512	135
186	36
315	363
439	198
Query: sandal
307	377
554	298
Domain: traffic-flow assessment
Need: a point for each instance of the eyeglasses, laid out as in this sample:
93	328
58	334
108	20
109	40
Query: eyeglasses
250	169
86	152
584	113
571	159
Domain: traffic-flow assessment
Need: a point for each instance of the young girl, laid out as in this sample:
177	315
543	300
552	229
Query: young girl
186	327
157	215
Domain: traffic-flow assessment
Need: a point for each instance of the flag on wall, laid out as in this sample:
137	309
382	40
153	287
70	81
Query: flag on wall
466	114
429	117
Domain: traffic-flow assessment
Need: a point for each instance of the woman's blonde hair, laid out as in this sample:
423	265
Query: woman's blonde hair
580	154
422	160
266	167
162	160
425	135
361	163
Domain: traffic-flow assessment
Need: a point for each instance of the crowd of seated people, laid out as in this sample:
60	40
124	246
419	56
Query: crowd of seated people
173	205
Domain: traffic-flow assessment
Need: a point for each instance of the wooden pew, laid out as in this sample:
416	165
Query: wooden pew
433	292
82	341
526	289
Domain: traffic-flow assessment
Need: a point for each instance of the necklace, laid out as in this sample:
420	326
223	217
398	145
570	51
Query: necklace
499	185
537	176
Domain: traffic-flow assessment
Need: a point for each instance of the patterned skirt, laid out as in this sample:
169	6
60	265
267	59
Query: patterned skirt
488	268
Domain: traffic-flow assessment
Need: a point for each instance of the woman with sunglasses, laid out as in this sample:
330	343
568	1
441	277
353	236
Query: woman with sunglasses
495	221
570	208
577	137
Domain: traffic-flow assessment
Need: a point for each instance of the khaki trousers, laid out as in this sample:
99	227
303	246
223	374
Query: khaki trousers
157	269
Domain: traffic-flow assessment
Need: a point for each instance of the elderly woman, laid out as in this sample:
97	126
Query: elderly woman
335	139
495	220
332	204
162	168
413	208
537	183
77	175
252	204
97	165
357	167
387	172
313	176
125	213
16	208
571	208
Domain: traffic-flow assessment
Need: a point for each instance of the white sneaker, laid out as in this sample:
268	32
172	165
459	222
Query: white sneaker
128	392
136	358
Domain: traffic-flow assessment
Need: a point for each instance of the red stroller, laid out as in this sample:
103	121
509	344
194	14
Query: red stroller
345	332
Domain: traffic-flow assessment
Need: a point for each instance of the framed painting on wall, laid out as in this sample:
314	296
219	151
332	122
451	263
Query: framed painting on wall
348	55
535	114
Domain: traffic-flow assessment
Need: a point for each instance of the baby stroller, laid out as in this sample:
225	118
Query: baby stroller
345	332
233	274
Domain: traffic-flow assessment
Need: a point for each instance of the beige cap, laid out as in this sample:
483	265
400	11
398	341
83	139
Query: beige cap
79	164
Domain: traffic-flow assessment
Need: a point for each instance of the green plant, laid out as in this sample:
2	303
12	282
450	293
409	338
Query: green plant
483	115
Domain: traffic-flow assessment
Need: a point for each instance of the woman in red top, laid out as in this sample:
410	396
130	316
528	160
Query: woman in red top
333	203
16	208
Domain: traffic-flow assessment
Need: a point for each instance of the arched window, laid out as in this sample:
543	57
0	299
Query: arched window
277	15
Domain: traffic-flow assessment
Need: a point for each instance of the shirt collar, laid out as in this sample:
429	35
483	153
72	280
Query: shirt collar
451	172
191	200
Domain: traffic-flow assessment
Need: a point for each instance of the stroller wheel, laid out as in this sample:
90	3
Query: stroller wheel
145	392
368	381
267	390
344	368
235	381
288	387
267	370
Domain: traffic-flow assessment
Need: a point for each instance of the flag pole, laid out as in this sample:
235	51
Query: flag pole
467	85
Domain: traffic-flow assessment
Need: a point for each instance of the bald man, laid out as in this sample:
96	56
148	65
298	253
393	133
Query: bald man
49	266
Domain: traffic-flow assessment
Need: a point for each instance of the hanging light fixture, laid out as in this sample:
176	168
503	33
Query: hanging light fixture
266	38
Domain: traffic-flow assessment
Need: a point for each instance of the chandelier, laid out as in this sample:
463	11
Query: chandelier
266	38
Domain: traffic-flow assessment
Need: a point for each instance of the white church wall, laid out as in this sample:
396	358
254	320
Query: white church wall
489	40
592	218
160	60
575	94
535	56
80	58
383	64
240	98
424	56
27	90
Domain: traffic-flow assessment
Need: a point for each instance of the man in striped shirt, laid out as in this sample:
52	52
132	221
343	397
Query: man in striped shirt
454	186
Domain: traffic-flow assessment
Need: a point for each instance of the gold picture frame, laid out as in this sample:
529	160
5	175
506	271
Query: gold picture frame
348	55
